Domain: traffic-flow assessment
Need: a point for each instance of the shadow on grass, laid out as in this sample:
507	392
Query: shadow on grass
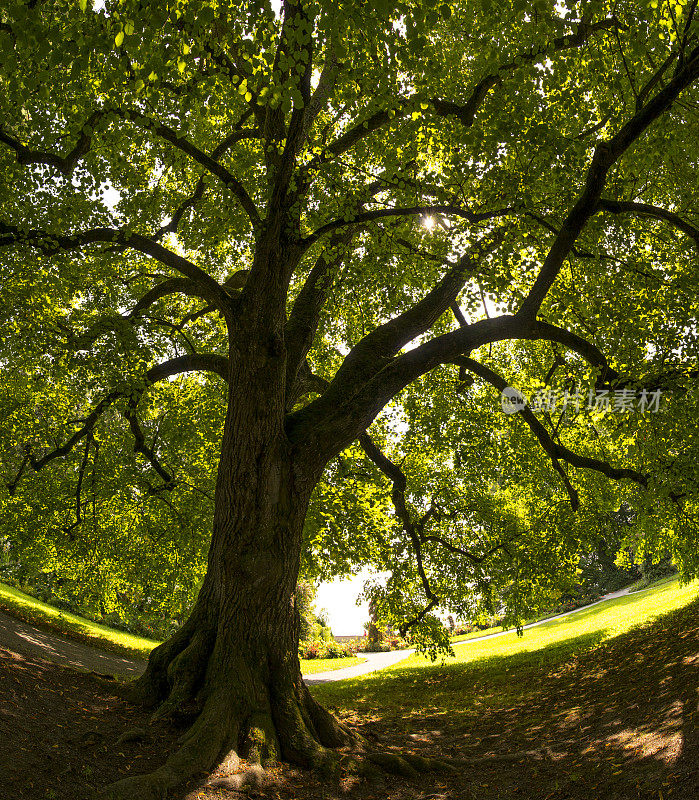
447	687
580	719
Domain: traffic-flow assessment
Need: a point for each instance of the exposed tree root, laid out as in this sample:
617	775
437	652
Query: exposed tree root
262	714
409	765
255	776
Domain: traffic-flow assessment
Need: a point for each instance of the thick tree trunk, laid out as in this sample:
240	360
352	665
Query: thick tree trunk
233	666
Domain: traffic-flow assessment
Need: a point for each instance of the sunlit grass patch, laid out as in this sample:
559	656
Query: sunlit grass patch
35	611
498	670
310	666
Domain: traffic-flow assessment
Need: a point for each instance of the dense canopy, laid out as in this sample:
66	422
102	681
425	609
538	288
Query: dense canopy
367	220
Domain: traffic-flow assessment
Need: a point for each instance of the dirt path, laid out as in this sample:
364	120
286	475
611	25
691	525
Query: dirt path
26	639
20	637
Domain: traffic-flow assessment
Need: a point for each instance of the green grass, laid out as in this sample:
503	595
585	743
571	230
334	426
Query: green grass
464	637
635	587
641	584
503	664
37	612
549	642
311	665
602	621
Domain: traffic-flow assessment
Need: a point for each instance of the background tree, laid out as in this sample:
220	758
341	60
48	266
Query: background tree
335	209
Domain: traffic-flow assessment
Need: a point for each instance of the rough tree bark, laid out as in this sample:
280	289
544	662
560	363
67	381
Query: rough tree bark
233	666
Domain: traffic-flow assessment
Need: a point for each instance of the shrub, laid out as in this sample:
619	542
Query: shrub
389	641
317	648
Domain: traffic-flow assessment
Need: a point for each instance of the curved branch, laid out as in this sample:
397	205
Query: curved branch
466	112
51	244
184	286
585	349
397	477
140	445
189	202
371	373
196	362
608	377
409	211
606	154
646	210
192	362
334	420
64	164
165	288
208	162
556	451
88	424
415	529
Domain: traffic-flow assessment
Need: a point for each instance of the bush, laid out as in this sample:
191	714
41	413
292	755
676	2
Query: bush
652	572
317	648
461	630
389	641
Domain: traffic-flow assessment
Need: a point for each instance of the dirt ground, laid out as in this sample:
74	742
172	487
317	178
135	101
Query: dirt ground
616	723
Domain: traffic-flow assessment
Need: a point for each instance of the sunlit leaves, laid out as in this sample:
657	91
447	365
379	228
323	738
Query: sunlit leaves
208	69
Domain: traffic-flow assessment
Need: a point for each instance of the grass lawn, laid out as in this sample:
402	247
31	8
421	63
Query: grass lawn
311	665
599	705
464	637
451	683
489	631
37	612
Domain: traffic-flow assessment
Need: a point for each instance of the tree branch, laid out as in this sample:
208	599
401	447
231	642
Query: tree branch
372	355
184	286
140	445
466	112
64	164
51	244
397	477
202	362
208	162
605	156
556	451
646	210
334	420
410	211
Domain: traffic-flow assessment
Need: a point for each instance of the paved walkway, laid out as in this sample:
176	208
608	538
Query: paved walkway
26	639
373	662
380	660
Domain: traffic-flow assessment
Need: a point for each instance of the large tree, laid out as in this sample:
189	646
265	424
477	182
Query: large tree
324	206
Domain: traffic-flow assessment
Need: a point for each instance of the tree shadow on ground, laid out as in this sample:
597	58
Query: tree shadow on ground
614	720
